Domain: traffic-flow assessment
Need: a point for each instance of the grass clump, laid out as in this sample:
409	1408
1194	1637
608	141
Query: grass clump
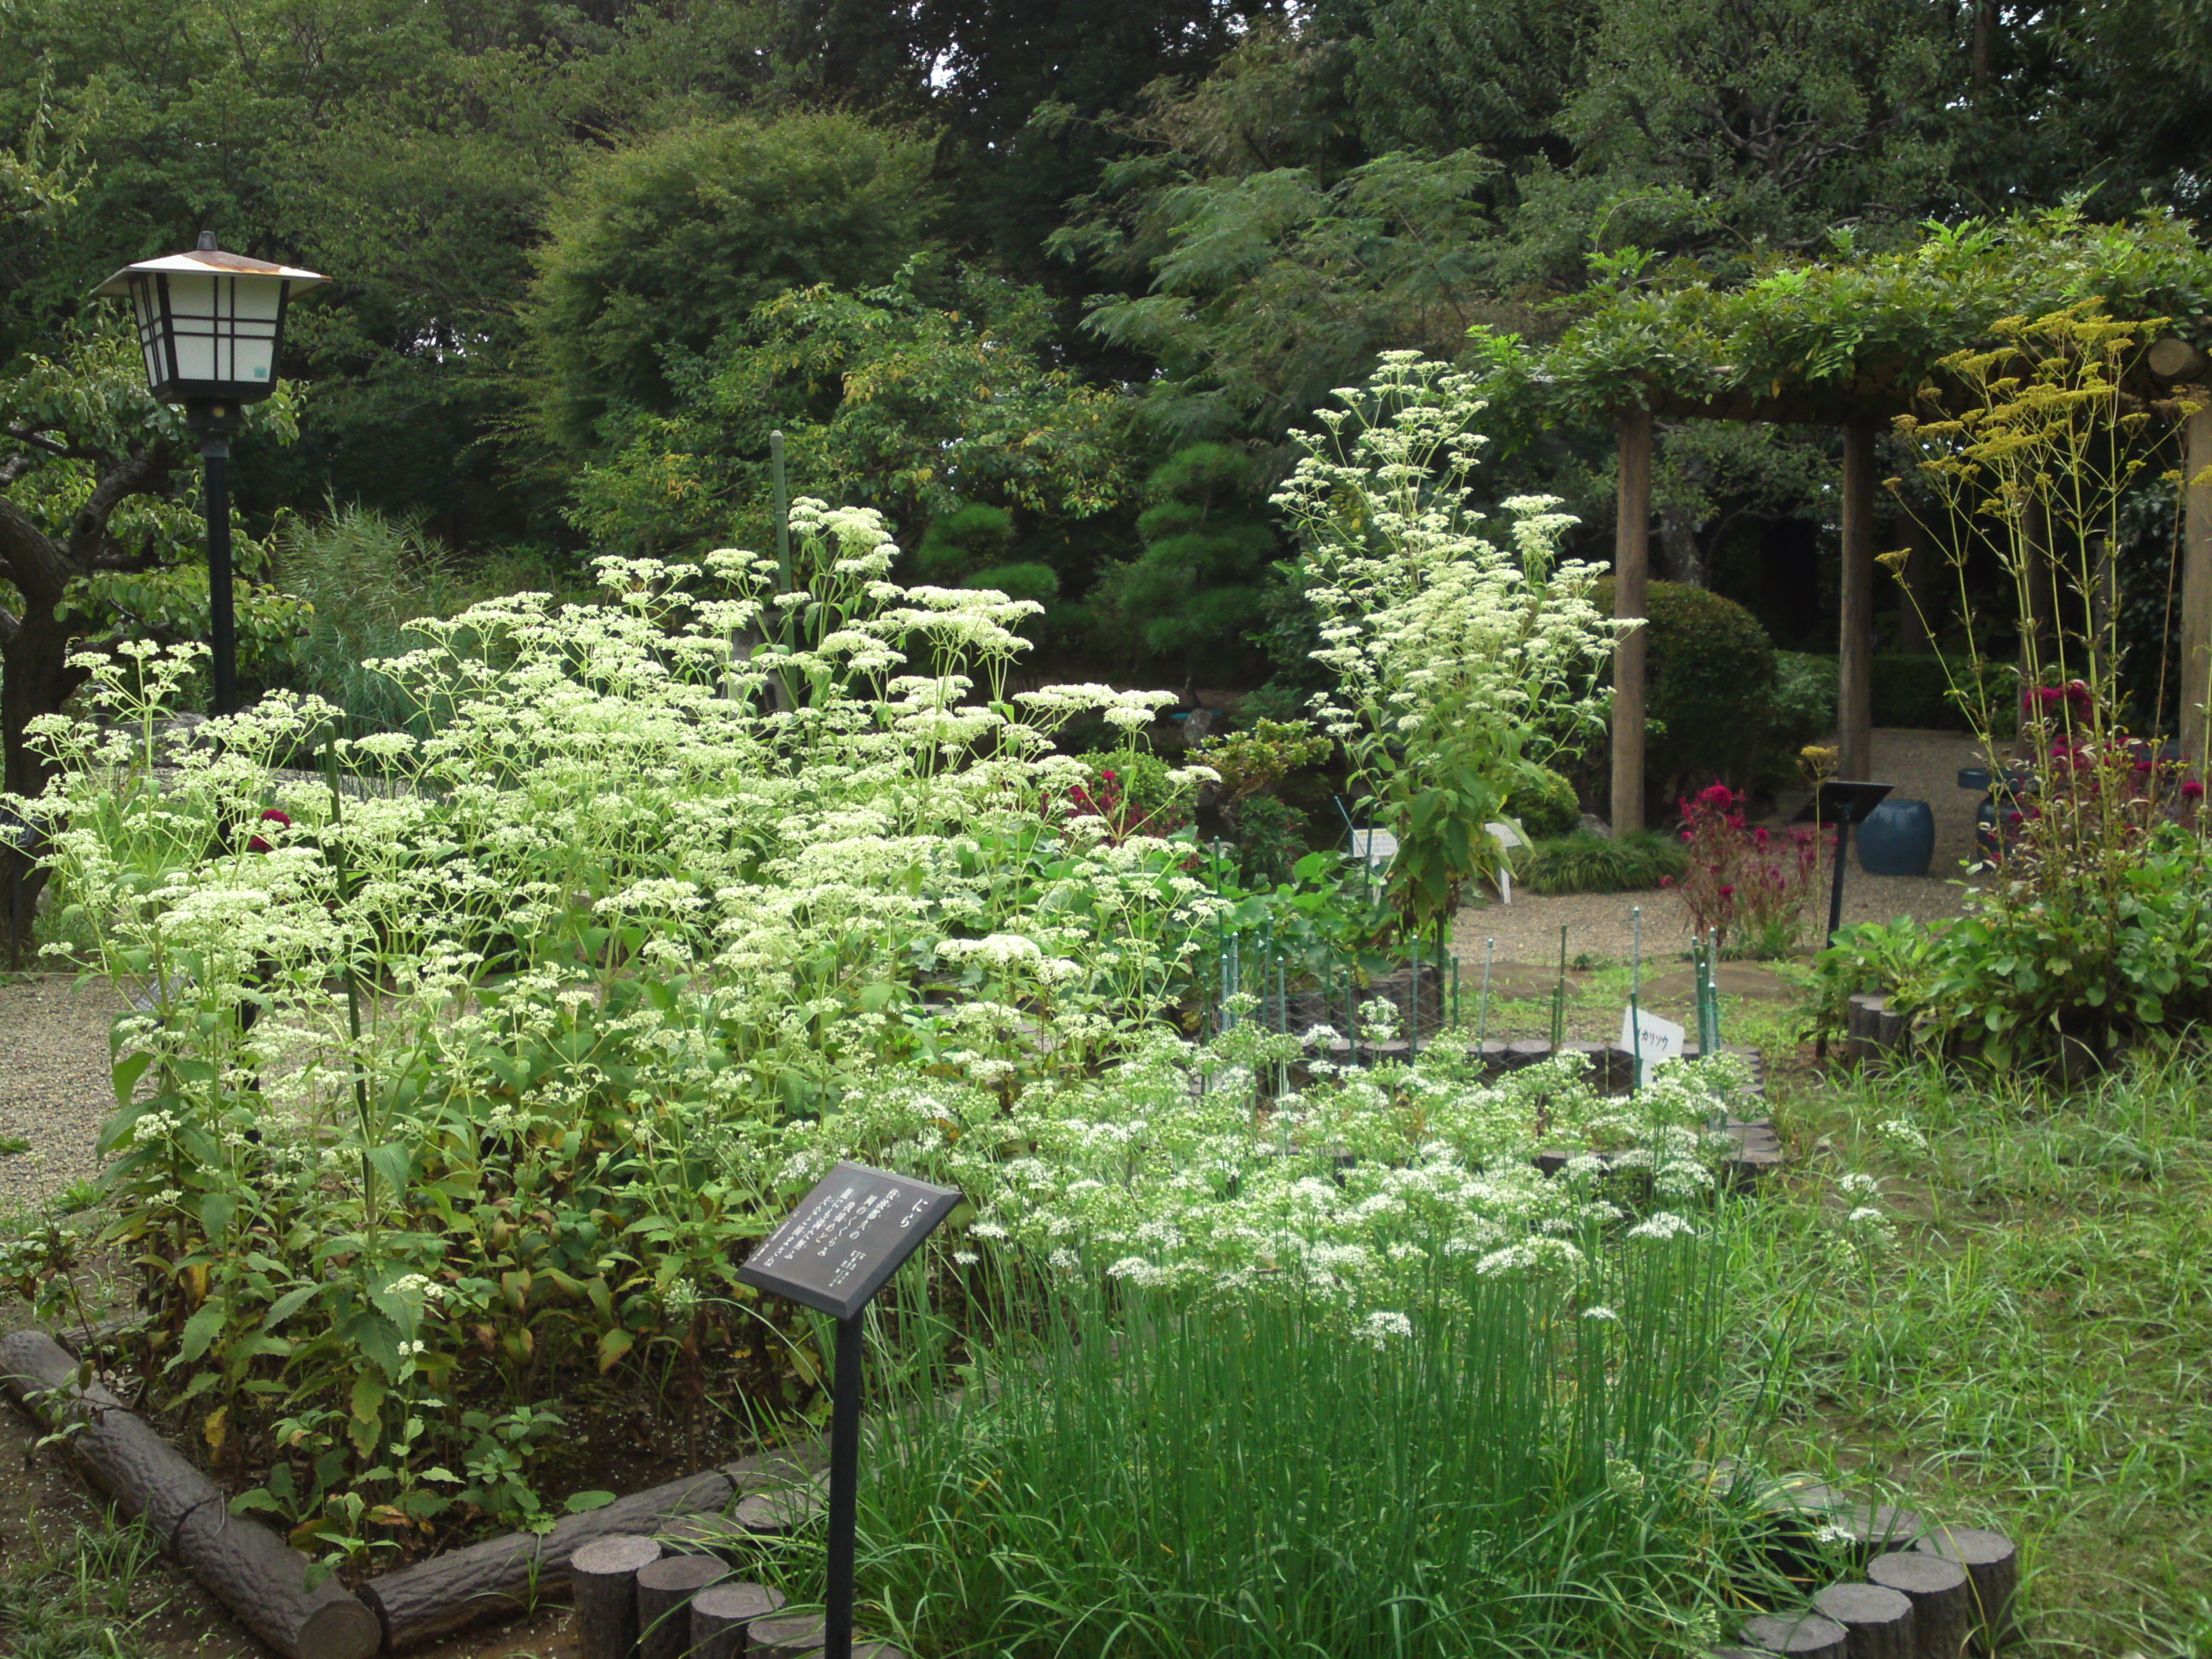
1995	1299
1586	862
1511	1465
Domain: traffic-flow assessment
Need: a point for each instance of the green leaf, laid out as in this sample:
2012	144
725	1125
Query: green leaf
202	1328
288	1304
583	1502
367	1398
126	1072
612	1346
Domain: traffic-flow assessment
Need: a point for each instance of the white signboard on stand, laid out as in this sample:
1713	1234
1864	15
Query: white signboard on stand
1652	1040
1507	838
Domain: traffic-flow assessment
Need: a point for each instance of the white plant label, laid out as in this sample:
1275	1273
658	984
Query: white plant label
1377	847
1652	1040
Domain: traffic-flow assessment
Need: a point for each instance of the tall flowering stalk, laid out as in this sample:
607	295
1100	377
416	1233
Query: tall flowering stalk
1461	665
2096	927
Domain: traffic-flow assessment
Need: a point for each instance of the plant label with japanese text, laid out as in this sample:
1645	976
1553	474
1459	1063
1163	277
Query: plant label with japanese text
1652	1040
848	1237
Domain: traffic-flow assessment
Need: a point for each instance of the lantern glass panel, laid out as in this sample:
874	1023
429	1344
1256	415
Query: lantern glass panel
223	329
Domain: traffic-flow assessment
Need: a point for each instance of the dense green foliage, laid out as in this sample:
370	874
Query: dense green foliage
1709	673
1586	862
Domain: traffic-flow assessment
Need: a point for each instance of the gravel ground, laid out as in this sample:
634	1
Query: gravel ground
1923	765
54	1088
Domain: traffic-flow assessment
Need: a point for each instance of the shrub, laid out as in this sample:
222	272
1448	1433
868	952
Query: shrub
1911	691
366	576
1709	689
1270	833
654	248
1544	805
1803	707
1586	862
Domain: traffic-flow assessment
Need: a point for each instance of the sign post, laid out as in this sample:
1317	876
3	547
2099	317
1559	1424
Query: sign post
833	1253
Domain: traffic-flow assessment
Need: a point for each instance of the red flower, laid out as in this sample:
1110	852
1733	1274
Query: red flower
281	820
1728	892
2193	790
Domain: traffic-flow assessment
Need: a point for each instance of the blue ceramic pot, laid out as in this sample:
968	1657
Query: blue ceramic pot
1898	839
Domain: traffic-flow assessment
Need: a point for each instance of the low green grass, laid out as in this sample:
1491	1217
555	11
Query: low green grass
84	1595
2035	1351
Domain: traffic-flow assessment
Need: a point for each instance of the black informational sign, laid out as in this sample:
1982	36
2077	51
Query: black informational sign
1841	801
847	1238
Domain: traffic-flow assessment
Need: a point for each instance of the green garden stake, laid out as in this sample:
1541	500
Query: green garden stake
1455	1017
1559	995
1713	987
1414	1013
1482	1032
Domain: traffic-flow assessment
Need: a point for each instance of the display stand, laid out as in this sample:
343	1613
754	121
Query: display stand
1842	804
833	1253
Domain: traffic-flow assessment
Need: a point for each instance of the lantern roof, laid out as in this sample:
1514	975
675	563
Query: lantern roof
205	260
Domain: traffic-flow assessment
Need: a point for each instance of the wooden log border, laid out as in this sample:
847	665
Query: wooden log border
1963	1585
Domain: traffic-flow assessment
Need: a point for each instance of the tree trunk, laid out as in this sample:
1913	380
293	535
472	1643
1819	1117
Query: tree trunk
35	679
1678	534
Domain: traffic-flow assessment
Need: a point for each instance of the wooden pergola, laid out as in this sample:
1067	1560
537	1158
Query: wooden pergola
1863	405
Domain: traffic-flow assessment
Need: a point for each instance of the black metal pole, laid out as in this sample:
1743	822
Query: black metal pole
844	1493
1836	887
215	452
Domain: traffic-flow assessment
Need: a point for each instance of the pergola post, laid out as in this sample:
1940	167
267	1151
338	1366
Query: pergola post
1631	574
1855	651
2196	725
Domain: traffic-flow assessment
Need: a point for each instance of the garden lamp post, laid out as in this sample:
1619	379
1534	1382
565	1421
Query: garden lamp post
210	324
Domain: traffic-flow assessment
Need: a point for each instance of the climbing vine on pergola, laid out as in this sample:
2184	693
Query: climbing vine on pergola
1854	341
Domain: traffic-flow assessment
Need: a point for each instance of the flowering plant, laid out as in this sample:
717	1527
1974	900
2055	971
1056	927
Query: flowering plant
2095	927
644	903
1461	665
1744	885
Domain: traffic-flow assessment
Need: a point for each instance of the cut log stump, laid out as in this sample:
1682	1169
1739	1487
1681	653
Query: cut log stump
721	1615
791	1637
1939	1591
664	1590
1802	1635
603	1579
1992	1567
1877	1620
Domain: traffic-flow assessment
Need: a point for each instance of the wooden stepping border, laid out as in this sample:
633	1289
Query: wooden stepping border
252	1572
1925	1592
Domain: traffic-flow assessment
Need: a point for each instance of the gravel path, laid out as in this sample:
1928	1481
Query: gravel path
54	1087
1923	765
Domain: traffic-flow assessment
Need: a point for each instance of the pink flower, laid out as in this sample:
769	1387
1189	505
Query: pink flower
1728	892
2193	790
281	820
